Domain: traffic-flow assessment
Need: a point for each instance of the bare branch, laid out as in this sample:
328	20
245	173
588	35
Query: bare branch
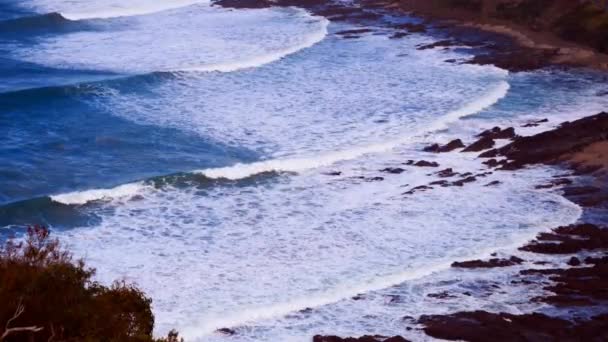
18	312
20	329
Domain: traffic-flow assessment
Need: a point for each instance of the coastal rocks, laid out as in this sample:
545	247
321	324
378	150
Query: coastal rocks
493	183
494	262
422	163
441	43
569	239
446	173
226	331
535	123
393	170
554	183
449	147
463	181
482	144
479	325
498	133
410	27
558	145
418	189
366	338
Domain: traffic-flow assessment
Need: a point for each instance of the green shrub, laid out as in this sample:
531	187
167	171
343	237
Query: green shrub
46	295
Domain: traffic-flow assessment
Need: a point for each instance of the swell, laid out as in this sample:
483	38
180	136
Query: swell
244	174
239	171
66	209
49	21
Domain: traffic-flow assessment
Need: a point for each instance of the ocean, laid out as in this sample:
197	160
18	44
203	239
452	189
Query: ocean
228	160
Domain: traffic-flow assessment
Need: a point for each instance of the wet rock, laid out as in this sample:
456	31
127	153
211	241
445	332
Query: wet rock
441	295
482	144
441	43
552	146
418	188
333	173
226	331
569	239
477	326
375	179
554	183
440	182
535	123
451	146
493	162
358	297
492	263
446	173
424	163
393	170
574	261
498	133
463	181
354	32
493	183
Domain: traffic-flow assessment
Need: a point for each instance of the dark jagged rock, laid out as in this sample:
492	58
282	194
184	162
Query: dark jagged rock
333	173
569	239
482	144
424	163
440	182
446	173
478	326
418	188
574	261
493	183
535	123
451	146
226	331
441	295
498	133
441	43
580	286
552	146
494	262
494	163
354	32
554	183
393	170
463	181
375	179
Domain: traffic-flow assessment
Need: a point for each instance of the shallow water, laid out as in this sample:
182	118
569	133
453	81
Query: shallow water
188	148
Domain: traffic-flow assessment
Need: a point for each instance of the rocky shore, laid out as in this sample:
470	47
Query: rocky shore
580	148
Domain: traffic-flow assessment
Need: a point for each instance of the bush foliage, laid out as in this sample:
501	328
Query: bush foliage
47	295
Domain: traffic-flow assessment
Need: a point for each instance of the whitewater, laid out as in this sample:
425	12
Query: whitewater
228	161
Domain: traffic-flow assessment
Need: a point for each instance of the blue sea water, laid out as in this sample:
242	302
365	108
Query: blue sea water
187	147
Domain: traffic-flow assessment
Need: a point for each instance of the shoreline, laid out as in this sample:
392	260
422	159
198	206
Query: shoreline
531	41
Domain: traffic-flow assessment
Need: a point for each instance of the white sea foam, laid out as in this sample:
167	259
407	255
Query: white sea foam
112	9
239	171
257	61
83	197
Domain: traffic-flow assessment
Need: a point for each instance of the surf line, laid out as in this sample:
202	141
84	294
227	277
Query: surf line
240	171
